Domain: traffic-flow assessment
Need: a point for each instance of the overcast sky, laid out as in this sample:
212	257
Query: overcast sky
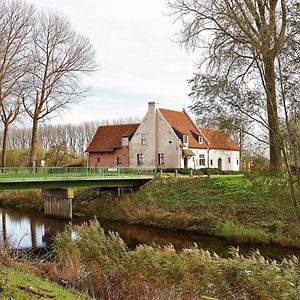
139	60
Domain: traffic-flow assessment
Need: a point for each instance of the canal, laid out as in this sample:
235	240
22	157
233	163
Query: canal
32	230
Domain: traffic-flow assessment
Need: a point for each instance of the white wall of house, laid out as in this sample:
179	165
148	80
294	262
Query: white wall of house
193	161
230	160
160	139
146	129
168	144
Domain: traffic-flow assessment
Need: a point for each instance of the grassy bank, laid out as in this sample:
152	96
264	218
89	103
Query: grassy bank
15	284
243	209
109	270
22	199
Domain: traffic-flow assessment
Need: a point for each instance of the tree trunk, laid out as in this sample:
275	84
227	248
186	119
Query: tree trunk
34	142
273	120
4	145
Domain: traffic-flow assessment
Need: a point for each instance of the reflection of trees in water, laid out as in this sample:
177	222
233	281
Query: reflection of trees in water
134	235
52	228
19	229
4	237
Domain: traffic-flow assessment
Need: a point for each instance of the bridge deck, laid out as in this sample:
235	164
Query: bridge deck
45	178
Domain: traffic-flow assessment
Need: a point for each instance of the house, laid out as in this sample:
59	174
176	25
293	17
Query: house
165	139
110	146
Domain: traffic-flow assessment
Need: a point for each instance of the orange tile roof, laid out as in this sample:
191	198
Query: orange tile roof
108	137
182	125
218	139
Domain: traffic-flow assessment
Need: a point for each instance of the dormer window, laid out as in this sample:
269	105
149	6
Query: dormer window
185	139
124	141
200	139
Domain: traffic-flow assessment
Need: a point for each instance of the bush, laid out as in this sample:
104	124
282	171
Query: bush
216	171
182	171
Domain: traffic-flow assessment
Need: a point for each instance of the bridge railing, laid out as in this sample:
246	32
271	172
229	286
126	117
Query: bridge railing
66	172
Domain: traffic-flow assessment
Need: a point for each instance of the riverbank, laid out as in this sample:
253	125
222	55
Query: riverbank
17	284
29	200
241	209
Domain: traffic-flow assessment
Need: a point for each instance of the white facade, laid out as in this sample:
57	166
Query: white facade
155	144
227	160
159	143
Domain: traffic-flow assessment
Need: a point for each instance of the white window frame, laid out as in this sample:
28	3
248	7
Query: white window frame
140	159
124	141
201	160
161	159
185	139
143	139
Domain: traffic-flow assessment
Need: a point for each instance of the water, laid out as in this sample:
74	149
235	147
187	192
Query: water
33	230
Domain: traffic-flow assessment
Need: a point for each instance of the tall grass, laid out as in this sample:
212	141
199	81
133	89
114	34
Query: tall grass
104	264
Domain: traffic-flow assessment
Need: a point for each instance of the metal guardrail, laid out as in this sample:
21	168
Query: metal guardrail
71	172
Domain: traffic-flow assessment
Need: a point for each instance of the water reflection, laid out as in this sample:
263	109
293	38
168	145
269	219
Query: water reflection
21	230
52	228
27	230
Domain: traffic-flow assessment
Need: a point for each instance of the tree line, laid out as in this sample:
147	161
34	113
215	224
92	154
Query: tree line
42	61
76	137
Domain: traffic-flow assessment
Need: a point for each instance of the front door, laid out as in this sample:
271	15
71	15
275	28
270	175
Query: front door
220	164
185	160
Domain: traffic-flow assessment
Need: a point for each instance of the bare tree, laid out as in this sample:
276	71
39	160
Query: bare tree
11	110
241	41
16	19
60	56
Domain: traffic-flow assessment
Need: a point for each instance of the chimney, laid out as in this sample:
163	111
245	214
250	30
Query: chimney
151	106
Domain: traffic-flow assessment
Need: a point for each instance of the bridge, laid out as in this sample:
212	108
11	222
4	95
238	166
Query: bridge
56	183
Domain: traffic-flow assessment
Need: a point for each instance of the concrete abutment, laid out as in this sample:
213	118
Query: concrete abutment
58	203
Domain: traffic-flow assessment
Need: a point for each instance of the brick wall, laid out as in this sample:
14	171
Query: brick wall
109	159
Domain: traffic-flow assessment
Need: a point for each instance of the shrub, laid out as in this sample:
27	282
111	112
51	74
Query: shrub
183	171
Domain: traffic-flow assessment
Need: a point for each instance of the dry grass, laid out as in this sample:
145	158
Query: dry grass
105	267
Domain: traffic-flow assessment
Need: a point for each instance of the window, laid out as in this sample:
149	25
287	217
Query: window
143	139
119	161
140	158
98	159
200	139
185	139
124	141
211	162
229	160
237	162
201	159
161	158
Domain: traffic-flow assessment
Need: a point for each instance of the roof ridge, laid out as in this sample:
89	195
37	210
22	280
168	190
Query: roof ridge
119	124
209	128
179	111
